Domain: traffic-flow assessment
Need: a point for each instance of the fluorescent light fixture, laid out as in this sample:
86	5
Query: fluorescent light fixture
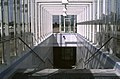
64	14
64	1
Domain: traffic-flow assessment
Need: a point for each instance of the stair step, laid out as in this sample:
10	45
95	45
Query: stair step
75	74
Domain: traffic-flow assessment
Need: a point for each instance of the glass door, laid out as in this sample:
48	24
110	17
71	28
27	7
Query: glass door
67	25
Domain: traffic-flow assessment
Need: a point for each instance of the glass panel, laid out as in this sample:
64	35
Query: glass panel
55	23
67	25
12	48
19	47
30	40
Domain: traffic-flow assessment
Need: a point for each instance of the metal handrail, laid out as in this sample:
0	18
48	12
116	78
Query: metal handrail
50	61
5	40
36	53
96	53
32	50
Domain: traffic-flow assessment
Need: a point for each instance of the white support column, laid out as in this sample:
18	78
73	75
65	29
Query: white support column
37	22
47	22
32	19
87	24
51	29
36	25
101	9
43	22
82	19
86	20
94	26
98	26
29	15
5	17
22	3
84	13
91	15
18	29
48	26
94	9
90	11
93	39
104	6
26	15
43	18
39	16
40	22
32	16
77	24
98	9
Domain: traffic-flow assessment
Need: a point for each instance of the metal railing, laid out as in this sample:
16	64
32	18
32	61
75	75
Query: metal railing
36	54
96	53
31	49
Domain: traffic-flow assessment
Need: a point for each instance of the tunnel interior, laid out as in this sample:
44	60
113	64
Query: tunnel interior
64	57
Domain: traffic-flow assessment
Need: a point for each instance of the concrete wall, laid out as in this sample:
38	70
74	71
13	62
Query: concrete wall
30	60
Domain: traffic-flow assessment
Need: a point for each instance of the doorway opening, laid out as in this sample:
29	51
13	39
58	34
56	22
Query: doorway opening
64	57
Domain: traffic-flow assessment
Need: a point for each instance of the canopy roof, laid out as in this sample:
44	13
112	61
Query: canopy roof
55	7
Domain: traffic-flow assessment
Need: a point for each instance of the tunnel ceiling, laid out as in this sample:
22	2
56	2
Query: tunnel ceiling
55	7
